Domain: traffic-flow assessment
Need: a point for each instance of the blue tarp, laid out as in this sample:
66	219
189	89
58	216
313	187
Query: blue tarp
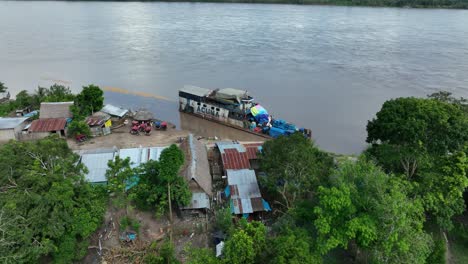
35	112
279	123
246	216
266	205
227	191
232	207
276	132
132	182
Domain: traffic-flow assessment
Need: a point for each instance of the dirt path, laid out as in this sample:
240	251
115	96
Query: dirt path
121	138
448	256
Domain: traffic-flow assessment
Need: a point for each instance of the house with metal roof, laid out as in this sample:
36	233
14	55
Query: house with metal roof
141	155
96	162
198	176
114	111
99	124
44	127
55	110
236	156
244	193
11	127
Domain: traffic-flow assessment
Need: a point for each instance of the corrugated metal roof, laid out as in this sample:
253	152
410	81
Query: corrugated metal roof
199	168
114	110
141	155
200	200
97	119
48	125
195	90
97	165
10	123
55	110
236	156
244	191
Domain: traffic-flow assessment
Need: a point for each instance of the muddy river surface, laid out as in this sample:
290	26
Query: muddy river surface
327	68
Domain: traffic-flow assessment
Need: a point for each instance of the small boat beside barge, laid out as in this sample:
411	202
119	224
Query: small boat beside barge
234	108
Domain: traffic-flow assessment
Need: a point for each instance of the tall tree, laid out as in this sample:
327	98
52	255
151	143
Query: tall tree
58	93
42	189
291	247
408	132
3	88
294	167
23	99
442	188
119	174
90	100
157	177
239	249
368	208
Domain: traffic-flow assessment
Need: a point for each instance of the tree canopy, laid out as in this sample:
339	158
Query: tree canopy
88	101
294	167
3	88
367	207
47	208
423	124
156	177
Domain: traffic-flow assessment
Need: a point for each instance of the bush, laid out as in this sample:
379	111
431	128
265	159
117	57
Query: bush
77	128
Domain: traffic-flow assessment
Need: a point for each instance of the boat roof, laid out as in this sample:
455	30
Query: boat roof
198	91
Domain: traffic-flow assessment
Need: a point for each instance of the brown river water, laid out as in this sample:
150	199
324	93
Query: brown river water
325	68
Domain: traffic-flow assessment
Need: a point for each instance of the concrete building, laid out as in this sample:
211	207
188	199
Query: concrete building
10	128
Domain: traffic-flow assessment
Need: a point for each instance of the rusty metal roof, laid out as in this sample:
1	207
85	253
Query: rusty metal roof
236	156
97	119
48	125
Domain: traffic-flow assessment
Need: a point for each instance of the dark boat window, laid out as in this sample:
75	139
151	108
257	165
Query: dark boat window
217	109
198	103
212	108
204	105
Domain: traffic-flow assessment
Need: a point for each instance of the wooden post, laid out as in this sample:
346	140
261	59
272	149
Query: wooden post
170	210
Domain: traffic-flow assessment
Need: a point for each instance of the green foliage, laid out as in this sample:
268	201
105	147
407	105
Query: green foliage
126	222
257	231
90	100
442	188
77	127
408	131
7	107
47	207
424	139
239	249
3	88
23	99
291	247
438	252
201	256
156	177
367	207
118	174
56	93
447	97
223	220
295	167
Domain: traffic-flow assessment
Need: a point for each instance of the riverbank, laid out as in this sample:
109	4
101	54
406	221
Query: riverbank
446	4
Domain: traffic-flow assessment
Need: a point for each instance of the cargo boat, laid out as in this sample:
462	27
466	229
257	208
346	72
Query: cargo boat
235	108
